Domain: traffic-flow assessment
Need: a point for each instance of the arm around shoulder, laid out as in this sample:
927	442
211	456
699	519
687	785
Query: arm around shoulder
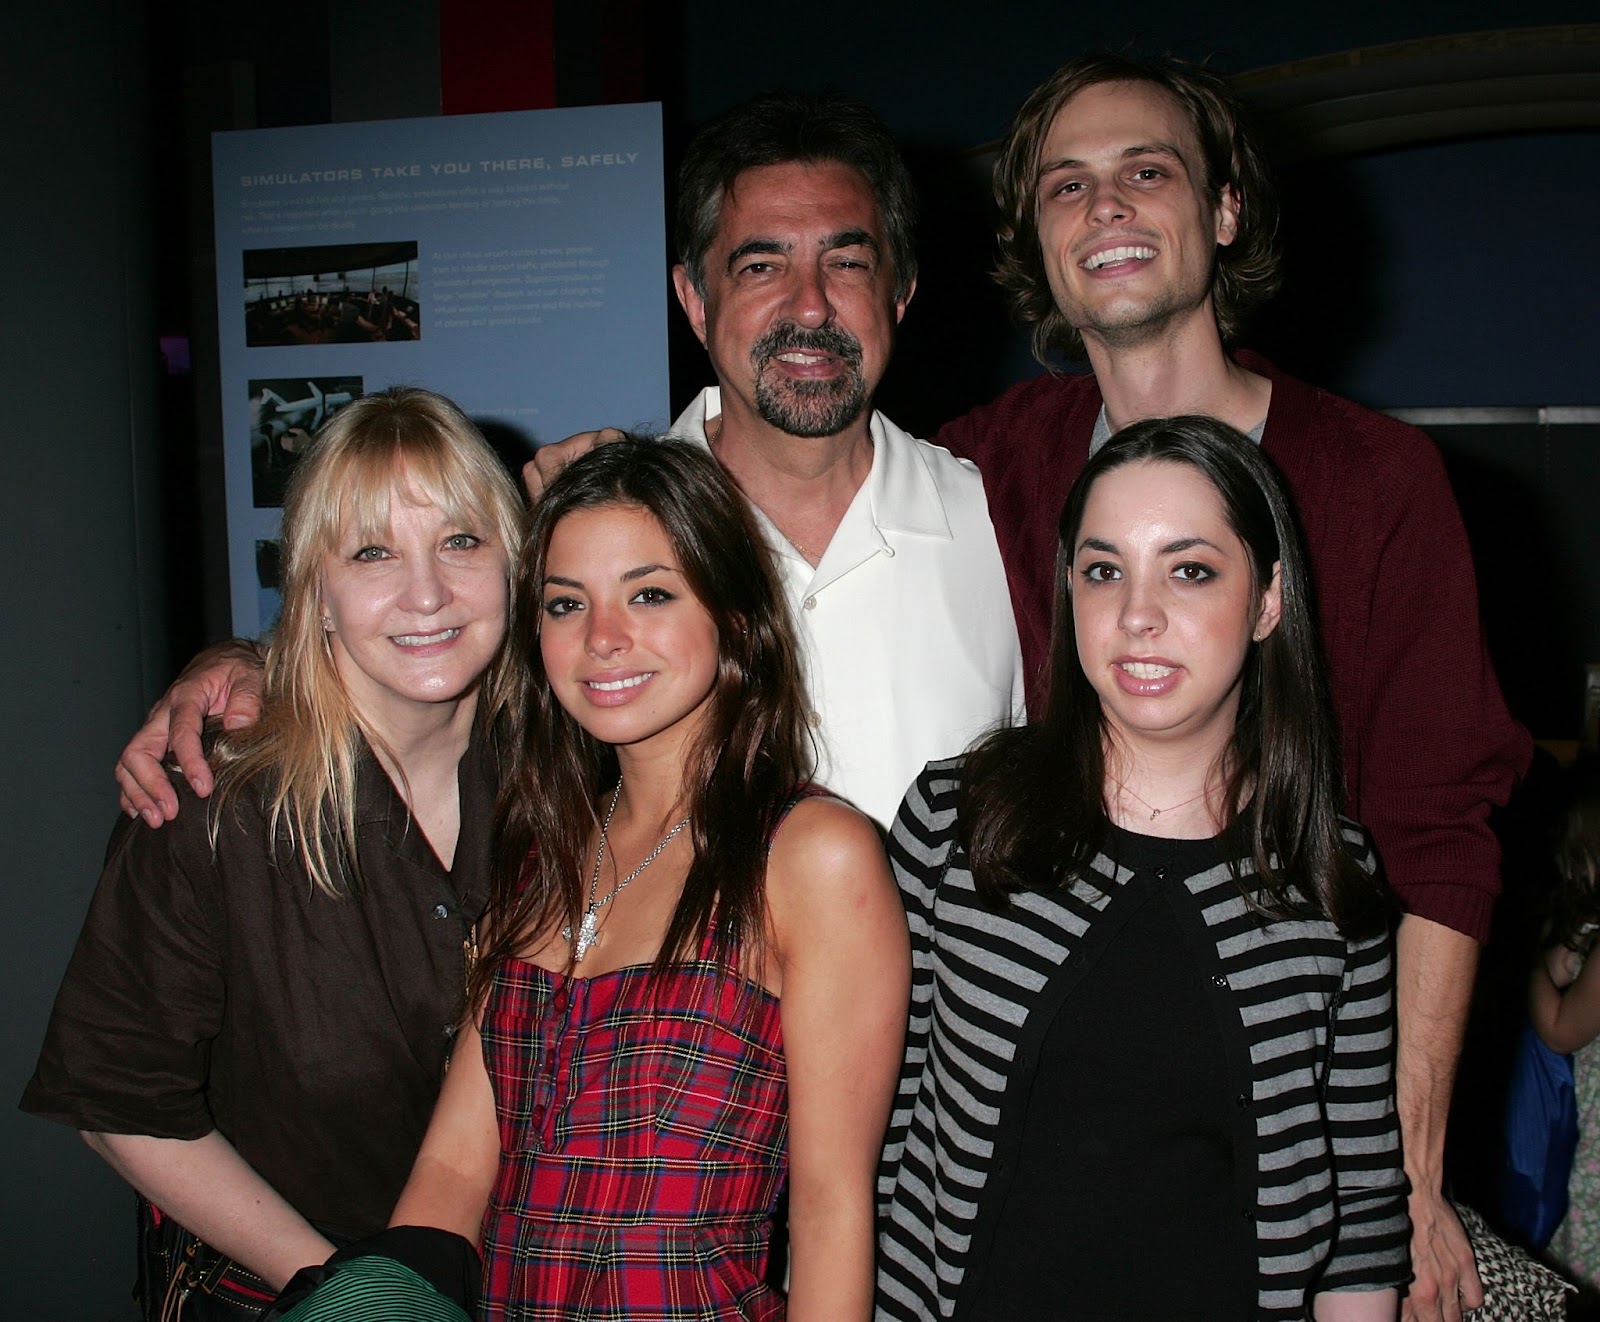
224	680
842	954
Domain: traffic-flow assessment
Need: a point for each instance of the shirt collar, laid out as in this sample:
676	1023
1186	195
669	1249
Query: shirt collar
902	496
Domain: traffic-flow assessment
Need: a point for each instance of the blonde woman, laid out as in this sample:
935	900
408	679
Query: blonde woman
254	1024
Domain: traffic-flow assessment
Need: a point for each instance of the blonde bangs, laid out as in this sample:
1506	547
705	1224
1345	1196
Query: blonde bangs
402	440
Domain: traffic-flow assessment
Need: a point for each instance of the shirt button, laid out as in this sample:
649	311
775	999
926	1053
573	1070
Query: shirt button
1161	874
814	719
1248	1215
440	911
811	603
1218	980
1242	1101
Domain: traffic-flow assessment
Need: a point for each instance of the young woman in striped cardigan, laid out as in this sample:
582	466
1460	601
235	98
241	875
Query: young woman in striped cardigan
1149	1068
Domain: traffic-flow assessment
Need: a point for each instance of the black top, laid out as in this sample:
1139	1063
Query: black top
1128	1196
225	991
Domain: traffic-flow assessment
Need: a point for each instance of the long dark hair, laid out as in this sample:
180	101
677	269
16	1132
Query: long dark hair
1034	811
1247	270
752	754
1575	901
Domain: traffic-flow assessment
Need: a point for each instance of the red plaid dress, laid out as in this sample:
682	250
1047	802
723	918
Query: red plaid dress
643	1128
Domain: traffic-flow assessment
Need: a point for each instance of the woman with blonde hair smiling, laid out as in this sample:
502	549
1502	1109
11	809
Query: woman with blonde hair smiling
255	1022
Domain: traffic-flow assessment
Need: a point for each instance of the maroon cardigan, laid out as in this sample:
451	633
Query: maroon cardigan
1428	744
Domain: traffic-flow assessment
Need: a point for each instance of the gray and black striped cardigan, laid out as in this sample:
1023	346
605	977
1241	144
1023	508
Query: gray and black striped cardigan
1317	1014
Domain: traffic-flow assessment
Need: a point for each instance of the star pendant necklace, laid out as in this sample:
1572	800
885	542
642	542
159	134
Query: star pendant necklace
589	927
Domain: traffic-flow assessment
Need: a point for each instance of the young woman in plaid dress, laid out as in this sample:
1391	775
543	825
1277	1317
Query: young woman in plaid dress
694	992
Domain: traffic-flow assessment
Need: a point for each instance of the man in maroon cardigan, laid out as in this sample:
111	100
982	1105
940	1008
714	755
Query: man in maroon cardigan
1138	227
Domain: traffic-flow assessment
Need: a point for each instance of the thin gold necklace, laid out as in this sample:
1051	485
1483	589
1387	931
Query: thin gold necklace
1155	811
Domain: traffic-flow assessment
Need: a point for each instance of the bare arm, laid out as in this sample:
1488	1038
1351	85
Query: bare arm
224	680
1566	1019
1368	1306
1436	966
455	1167
213	1192
844	960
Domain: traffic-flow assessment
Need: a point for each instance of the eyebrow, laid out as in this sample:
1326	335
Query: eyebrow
642	571
851	238
750	246
857	238
1177	547
1128	153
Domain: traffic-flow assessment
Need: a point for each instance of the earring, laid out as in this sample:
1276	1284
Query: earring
327	624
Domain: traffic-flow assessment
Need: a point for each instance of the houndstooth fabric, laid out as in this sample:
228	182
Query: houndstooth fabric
1516	1287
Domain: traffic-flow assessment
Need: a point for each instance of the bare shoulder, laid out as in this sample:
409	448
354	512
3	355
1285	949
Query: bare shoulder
832	903
823	832
828	866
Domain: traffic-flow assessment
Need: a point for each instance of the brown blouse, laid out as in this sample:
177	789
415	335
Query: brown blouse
222	990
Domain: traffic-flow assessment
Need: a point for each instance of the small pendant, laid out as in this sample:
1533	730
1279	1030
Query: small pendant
1154	813
588	935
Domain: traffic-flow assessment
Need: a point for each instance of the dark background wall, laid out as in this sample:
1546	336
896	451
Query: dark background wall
1453	273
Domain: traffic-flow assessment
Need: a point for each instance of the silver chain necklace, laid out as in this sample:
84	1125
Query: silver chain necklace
589	928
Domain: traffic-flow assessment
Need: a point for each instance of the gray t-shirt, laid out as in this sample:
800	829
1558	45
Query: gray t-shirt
1102	431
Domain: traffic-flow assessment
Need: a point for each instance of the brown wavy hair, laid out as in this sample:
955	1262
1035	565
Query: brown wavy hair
1246	273
751	757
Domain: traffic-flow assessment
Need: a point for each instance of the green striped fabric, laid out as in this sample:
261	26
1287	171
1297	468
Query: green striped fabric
375	1289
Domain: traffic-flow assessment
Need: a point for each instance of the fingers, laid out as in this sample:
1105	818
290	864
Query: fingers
188	712
244	700
1441	1257
1471	1287
145	790
550	459
224	680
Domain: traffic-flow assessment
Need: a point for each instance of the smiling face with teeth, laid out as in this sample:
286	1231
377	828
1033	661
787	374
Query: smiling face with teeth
798	310
415	614
1165	607
631	653
1128	229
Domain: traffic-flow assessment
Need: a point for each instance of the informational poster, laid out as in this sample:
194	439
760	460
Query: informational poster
514	262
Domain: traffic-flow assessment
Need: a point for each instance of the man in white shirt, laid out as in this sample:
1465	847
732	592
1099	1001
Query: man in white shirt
797	261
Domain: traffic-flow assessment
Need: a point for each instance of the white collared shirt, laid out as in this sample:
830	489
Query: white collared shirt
909	643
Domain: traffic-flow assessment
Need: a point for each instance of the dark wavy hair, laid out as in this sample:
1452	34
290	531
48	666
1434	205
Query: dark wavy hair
1575	900
752	754
1246	273
779	128
1034	810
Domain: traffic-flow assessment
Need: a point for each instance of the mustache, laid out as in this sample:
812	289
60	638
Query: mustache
822	339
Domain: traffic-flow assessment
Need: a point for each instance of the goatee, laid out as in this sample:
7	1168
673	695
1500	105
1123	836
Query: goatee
809	408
